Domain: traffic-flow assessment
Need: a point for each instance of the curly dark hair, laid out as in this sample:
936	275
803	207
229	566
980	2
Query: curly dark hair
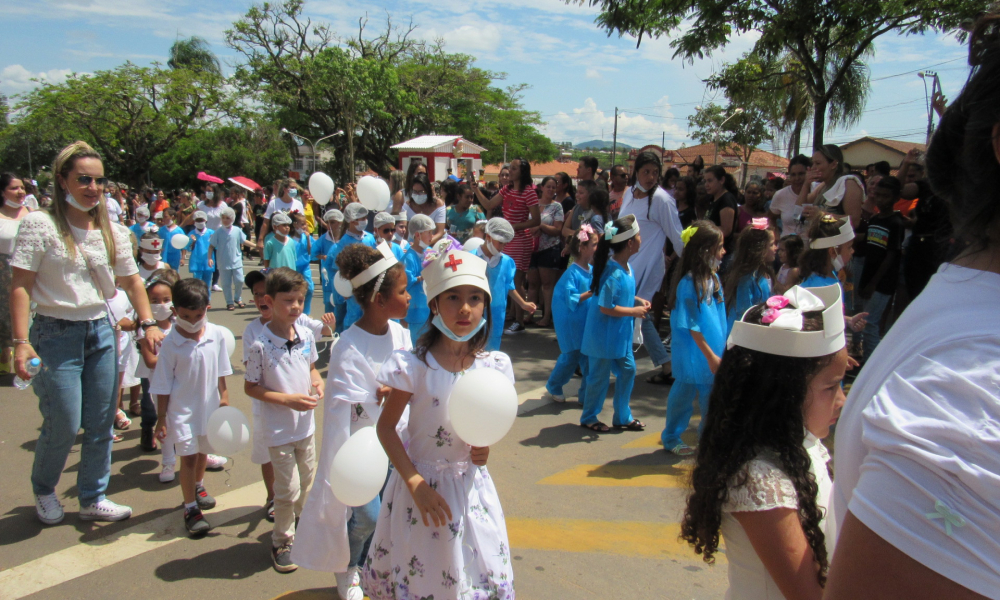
697	261
818	260
750	260
756	404
354	259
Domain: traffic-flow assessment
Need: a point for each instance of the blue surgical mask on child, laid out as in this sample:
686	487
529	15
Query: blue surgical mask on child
438	322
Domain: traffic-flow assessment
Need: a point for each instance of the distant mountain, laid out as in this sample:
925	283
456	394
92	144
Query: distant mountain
601	145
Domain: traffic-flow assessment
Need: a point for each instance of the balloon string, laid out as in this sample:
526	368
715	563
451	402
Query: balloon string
229	474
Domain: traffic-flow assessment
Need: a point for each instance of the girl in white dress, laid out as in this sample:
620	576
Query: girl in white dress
331	536
441	532
761	477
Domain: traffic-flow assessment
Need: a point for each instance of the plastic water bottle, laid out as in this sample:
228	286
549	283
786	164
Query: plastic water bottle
34	366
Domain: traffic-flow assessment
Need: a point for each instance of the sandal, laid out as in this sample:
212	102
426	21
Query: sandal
241	304
135	408
230	307
122	422
596	426
660	378
635	425
115	438
682	449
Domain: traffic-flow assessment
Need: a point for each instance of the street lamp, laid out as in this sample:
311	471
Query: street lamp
312	145
935	86
718	130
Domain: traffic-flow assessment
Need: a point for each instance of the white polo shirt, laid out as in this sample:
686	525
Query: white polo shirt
189	372
283	366
256	327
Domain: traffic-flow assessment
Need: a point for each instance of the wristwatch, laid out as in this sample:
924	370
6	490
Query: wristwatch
147	324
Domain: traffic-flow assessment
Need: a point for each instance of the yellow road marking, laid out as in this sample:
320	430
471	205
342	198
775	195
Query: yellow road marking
629	538
660	476
647	441
84	558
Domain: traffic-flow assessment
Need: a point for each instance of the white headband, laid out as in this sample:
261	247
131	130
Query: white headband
388	259
784	336
846	234
622	236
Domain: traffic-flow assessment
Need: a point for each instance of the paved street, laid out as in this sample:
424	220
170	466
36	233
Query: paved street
588	516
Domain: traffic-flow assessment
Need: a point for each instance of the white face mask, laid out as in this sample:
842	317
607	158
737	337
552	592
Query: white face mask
640	187
493	260
192	327
838	264
72	202
12	204
141	220
419	198
209	195
199	226
162	312
151	259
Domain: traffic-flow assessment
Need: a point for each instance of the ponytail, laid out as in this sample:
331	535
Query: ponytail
605	248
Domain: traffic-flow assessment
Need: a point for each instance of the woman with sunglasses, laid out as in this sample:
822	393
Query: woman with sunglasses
66	260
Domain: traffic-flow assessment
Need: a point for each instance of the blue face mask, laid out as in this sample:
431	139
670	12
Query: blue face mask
439	323
293	193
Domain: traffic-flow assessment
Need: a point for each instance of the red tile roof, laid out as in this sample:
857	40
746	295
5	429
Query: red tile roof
897	145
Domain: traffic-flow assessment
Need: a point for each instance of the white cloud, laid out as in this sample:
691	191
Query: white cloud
593	73
634	127
15	79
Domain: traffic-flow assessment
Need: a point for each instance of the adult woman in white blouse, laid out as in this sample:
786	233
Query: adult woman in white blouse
66	260
918	448
12	211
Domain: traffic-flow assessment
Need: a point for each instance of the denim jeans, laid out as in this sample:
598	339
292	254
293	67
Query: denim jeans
76	389
597	383
874	306
680	407
563	372
852	301
360	528
658	353
232	284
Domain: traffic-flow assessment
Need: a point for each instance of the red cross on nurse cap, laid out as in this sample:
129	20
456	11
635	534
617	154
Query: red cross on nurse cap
151	244
452	268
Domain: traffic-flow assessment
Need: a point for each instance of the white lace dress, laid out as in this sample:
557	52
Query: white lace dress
469	557
767	487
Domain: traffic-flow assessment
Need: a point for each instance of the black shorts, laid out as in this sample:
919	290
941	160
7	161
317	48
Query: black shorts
550	258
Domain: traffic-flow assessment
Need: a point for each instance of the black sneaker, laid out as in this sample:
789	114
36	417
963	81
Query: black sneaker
195	522
147	441
282	558
205	502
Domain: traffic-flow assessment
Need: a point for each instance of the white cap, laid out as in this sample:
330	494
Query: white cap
355	211
155	244
500	229
845	235
384	218
142	210
783	336
420	224
280	218
228	212
453	268
401	217
158	215
333	215
200	214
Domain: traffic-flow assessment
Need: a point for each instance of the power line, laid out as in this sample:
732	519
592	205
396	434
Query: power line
917	70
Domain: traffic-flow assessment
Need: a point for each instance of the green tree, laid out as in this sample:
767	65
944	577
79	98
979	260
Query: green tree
194	54
379	89
739	132
130	114
827	37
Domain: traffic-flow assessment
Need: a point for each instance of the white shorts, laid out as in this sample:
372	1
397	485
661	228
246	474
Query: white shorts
259	454
196	444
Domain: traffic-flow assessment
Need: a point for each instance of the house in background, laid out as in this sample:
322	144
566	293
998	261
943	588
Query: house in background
867	150
440	153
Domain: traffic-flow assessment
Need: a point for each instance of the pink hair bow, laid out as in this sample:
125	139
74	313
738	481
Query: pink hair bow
585	232
759	223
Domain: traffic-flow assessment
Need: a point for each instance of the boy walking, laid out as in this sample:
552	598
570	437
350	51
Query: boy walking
190	383
281	373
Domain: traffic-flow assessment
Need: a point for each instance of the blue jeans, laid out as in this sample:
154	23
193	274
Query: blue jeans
232	284
360	528
852	301
680	407
874	306
76	388
658	353
563	372
597	382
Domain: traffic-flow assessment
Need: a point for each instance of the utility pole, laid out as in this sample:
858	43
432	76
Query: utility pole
663	145
614	144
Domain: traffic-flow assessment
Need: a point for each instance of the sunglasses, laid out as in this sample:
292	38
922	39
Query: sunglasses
386	230
87	180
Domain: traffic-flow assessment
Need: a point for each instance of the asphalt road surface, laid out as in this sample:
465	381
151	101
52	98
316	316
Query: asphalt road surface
589	516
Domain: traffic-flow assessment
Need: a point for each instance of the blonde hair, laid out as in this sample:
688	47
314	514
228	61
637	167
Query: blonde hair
64	163
283	185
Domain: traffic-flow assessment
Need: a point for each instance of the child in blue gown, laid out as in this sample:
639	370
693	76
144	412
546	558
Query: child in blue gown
607	337
500	272
356	217
699	329
321	250
750	276
198	247
571	299
421	230
303	256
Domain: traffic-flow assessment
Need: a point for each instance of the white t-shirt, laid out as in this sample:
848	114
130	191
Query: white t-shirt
918	444
255	327
275	365
114	209
213	214
141	370
189	372
31	202
440	214
277	204
783	203
64	288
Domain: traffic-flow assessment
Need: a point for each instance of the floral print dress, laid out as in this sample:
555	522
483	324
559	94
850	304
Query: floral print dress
468	558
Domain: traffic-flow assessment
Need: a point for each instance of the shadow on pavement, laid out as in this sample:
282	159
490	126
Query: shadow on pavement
235	562
18	525
560	435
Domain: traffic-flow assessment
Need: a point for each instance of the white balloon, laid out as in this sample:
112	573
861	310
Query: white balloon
343	286
482	407
359	468
373	193
321	187
230	339
472	244
228	431
180	242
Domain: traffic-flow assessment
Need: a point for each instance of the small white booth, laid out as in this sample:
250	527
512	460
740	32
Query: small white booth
440	153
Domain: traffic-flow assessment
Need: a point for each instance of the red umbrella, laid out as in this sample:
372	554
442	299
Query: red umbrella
209	178
245	183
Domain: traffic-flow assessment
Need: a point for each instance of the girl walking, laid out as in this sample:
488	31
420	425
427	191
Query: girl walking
750	277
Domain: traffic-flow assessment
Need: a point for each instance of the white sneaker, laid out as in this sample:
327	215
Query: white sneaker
216	288
549	396
49	509
349	585
167	474
105	510
216	463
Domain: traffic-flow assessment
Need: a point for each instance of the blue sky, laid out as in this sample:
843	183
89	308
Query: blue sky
577	74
